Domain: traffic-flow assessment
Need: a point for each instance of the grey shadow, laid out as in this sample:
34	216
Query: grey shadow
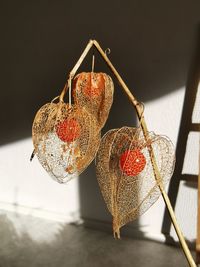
151	46
75	246
161	65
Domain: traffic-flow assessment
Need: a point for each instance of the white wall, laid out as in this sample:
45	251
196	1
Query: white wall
163	116
25	187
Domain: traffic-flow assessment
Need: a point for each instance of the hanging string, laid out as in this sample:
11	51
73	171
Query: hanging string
93	60
70	91
55	98
63	92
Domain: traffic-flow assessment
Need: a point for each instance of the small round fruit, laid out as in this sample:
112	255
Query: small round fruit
91	84
68	130
132	162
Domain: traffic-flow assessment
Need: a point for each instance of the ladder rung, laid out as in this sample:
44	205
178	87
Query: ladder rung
189	177
195	127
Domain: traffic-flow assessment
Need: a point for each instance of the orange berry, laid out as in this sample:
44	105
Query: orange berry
132	162
68	130
91	84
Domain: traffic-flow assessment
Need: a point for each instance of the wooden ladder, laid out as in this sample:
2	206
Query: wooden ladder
187	125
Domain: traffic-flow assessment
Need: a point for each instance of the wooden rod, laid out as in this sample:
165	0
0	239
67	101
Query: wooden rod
139	110
198	212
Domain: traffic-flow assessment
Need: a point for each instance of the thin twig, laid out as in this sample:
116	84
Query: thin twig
153	160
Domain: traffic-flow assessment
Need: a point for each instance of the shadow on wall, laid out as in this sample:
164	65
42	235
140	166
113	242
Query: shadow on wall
186	127
151	46
122	114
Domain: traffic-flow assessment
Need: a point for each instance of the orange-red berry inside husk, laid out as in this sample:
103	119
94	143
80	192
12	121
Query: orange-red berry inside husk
132	162
68	130
91	84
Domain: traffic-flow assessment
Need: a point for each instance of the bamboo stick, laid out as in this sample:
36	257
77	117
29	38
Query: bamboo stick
139	111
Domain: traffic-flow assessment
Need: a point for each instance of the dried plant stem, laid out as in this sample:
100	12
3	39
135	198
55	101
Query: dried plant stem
198	215
75	68
139	109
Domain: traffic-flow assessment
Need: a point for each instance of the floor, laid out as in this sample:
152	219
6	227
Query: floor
26	241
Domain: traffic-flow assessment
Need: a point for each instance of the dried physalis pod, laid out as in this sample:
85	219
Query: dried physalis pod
126	175
94	91
65	138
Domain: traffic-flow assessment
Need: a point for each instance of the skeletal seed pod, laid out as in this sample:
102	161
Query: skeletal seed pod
125	173
94	91
66	139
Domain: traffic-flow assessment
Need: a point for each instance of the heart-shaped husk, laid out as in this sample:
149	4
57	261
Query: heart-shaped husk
94	91
66	139
125	173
